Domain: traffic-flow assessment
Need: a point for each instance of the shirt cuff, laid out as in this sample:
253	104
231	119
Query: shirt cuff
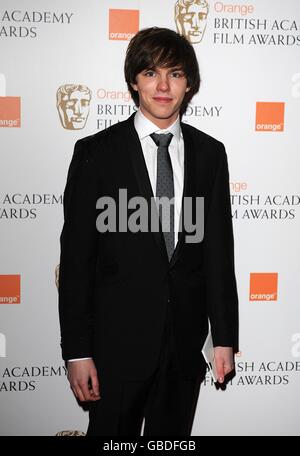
77	359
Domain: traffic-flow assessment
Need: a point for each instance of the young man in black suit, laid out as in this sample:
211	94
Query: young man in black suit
135	304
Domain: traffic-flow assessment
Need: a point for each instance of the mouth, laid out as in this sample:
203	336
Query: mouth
162	100
77	119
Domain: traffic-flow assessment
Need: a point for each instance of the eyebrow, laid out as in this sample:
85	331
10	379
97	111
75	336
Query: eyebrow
176	69
153	68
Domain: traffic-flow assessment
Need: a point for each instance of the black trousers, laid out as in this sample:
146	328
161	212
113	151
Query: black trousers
166	400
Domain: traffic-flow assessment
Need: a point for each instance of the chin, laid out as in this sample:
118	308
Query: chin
195	38
163	115
165	112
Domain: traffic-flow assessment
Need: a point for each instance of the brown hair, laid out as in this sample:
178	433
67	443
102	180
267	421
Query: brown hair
161	47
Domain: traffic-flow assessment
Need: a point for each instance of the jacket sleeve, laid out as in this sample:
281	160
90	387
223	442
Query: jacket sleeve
221	289
78	255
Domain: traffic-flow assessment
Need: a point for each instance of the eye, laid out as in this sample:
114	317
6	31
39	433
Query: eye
177	74
149	73
188	17
70	104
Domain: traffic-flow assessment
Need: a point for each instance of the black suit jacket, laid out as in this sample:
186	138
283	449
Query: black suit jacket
115	287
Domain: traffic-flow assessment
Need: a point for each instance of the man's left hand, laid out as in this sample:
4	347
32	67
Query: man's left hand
224	361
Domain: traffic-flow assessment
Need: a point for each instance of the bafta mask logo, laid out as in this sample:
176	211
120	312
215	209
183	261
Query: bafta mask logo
73	105
191	19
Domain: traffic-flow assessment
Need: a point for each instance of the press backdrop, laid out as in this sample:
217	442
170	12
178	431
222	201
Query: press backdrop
61	65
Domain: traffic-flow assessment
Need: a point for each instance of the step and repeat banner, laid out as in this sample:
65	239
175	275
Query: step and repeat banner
61	78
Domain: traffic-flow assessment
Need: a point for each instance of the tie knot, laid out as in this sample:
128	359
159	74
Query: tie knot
162	139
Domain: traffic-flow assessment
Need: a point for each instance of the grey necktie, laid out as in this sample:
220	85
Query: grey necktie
165	187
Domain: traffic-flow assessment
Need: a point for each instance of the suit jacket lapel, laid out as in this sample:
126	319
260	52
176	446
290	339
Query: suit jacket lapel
191	174
189	183
143	181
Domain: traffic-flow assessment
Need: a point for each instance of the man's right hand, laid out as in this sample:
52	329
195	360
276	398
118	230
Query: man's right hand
83	379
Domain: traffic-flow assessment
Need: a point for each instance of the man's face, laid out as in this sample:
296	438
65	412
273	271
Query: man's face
161	92
192	22
74	110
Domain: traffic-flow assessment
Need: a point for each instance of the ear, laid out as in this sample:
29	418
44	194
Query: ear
134	86
187	89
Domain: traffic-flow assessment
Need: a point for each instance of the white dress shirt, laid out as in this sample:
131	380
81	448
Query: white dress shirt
145	128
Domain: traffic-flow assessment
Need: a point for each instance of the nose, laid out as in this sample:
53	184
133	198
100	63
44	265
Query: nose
163	83
77	108
195	21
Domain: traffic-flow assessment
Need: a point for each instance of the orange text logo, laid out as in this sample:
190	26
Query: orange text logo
263	286
269	116
10	289
10	112
123	24
10	107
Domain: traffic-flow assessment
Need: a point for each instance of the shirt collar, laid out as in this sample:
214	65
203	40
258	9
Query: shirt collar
145	127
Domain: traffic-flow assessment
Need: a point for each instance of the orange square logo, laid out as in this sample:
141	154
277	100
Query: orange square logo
269	116
123	24
10	112
10	289
263	286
